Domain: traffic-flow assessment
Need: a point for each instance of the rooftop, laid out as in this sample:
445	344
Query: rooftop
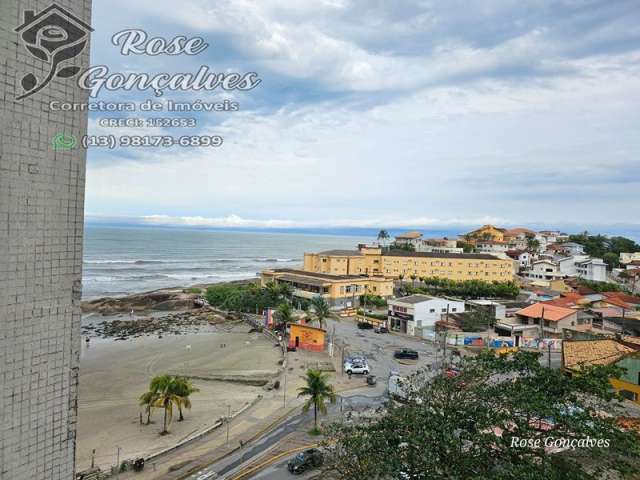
409	235
593	352
463	256
546	311
413	299
341	253
322	276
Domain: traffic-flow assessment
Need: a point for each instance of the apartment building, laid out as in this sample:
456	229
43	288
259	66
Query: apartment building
41	237
373	261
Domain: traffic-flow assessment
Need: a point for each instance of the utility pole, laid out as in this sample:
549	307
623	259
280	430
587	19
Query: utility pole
118	463
93	458
549	356
228	421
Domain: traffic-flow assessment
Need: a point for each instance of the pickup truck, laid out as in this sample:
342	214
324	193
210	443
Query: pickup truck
405	354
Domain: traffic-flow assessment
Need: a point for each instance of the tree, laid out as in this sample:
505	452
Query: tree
166	398
183	388
491	421
284	313
319	391
612	260
383	237
413	277
533	244
148	399
321	309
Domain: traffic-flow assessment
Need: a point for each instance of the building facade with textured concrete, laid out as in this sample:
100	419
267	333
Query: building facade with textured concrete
41	233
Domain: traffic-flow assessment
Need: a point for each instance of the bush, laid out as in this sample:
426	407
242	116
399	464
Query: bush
192	290
466	288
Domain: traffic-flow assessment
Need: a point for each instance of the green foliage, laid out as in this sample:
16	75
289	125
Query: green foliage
467	247
475	320
195	290
319	391
245	297
611	259
321	309
466	288
601	245
284	313
462	427
166	391
374	300
601	286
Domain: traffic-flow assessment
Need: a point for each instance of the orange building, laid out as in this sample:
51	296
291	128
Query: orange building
306	337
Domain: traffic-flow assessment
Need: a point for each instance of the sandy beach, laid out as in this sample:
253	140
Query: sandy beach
113	374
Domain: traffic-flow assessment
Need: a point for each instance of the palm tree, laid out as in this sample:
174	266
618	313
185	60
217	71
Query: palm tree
383	236
321	308
164	386
318	391
286	290
148	399
183	388
284	313
413	277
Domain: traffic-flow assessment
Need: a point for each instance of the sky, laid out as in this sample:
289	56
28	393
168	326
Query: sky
412	113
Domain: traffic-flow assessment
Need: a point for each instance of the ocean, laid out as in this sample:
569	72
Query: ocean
122	260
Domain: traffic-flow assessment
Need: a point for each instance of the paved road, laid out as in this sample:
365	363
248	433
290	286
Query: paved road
254	449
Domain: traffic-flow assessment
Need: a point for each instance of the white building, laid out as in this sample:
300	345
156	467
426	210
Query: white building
491	246
414	313
626	257
568	265
413	239
522	257
572	248
425	247
544	270
592	269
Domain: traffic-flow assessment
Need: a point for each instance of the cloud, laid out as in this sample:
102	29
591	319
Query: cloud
411	110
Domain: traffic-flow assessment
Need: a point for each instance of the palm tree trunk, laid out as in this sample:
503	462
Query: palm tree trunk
148	415
180	410
315	414
165	421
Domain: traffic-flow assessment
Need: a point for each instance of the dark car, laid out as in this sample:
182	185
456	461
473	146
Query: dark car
406	354
305	460
365	326
382	329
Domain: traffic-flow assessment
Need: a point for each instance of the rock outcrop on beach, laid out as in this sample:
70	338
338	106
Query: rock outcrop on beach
161	300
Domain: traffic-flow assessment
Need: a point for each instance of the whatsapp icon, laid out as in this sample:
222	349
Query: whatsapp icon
64	142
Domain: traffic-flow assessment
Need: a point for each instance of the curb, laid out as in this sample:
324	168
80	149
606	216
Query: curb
253	469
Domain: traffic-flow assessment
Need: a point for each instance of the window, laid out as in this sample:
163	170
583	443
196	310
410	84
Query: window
454	309
432	310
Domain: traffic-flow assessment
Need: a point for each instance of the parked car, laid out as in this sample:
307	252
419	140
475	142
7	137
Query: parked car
406	354
381	329
365	326
310	458
356	366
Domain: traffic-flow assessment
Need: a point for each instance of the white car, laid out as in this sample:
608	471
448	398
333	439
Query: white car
356	367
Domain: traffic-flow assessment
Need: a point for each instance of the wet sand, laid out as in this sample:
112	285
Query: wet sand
113	374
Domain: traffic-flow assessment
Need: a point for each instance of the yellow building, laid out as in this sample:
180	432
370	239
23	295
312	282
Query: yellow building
341	291
373	261
486	232
306	337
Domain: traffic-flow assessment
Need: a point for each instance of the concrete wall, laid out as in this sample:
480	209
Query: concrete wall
41	231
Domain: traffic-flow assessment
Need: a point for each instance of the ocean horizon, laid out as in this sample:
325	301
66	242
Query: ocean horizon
124	259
